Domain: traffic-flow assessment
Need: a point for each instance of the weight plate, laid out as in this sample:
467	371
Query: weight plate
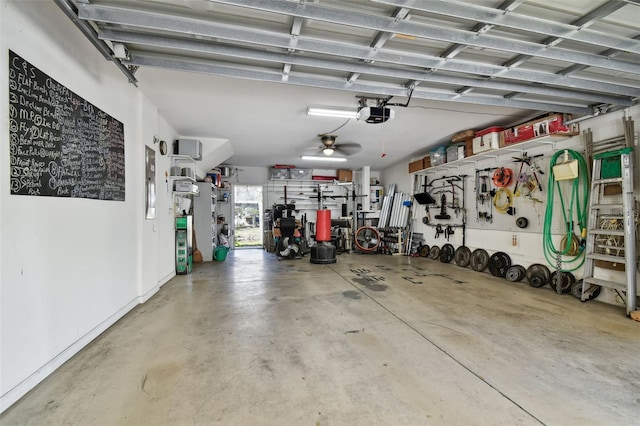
479	260
434	252
523	272
576	291
515	273
499	262
446	253
522	222
541	270
537	280
462	256
424	251
565	281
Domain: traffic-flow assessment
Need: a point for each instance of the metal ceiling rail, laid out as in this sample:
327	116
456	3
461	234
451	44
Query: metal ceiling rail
522	22
582	22
89	32
383	23
506	6
180	63
165	22
609	53
192	45
381	38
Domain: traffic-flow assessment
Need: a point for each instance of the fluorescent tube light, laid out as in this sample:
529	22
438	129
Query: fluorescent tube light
321	158
332	112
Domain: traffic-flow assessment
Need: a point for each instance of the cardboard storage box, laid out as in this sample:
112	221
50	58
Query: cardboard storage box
417	165
468	147
550	125
345	175
438	155
463	136
427	162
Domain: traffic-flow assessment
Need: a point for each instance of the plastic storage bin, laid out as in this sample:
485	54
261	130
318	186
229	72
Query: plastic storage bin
277	173
455	152
303	174
438	156
487	139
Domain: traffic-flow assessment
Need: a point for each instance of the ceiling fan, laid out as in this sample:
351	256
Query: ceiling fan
329	146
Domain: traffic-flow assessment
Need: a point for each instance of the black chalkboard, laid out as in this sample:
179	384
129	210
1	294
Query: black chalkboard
60	144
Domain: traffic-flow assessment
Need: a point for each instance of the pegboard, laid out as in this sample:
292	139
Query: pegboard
531	207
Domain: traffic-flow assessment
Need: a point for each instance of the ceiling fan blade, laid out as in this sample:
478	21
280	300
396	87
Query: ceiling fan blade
311	150
349	148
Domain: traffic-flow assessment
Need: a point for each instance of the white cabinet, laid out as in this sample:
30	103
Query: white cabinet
182	176
204	220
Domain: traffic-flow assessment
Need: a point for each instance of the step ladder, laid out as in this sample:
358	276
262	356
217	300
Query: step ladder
611	235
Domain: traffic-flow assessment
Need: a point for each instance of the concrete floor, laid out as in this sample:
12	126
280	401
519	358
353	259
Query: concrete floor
370	340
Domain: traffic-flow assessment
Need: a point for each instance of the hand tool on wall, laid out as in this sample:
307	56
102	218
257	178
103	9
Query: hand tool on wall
443	208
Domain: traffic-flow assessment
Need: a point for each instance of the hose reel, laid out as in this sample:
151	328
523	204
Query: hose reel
502	177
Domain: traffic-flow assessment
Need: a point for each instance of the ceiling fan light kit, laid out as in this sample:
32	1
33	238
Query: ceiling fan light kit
328	151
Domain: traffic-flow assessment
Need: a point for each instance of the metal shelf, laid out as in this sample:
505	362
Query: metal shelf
495	154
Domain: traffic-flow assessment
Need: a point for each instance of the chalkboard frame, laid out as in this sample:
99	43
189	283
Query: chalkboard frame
60	144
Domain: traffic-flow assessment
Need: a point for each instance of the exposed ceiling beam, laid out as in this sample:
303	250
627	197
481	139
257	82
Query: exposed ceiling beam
584	21
179	24
609	53
454	49
383	23
382	37
179	63
574	31
191	45
90	33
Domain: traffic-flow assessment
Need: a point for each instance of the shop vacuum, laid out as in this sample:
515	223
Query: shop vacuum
323	251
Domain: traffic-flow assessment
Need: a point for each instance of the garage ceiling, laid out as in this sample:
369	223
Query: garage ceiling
246	70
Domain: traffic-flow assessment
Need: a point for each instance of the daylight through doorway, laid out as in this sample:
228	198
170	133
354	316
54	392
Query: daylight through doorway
248	213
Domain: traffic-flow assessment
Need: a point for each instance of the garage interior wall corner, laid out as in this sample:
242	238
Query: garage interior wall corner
71	267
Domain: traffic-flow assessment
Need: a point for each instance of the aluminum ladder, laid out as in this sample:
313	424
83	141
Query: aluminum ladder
604	227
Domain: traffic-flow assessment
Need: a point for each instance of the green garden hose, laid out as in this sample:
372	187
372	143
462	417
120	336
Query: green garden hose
578	207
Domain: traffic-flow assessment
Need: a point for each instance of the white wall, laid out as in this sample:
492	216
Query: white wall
69	268
499	238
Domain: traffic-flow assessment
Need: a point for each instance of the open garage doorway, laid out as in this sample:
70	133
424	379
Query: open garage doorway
248	213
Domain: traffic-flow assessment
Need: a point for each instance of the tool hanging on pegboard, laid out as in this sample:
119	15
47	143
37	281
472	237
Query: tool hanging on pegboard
455	186
484	196
528	183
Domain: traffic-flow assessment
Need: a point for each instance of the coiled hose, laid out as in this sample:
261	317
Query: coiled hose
569	250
